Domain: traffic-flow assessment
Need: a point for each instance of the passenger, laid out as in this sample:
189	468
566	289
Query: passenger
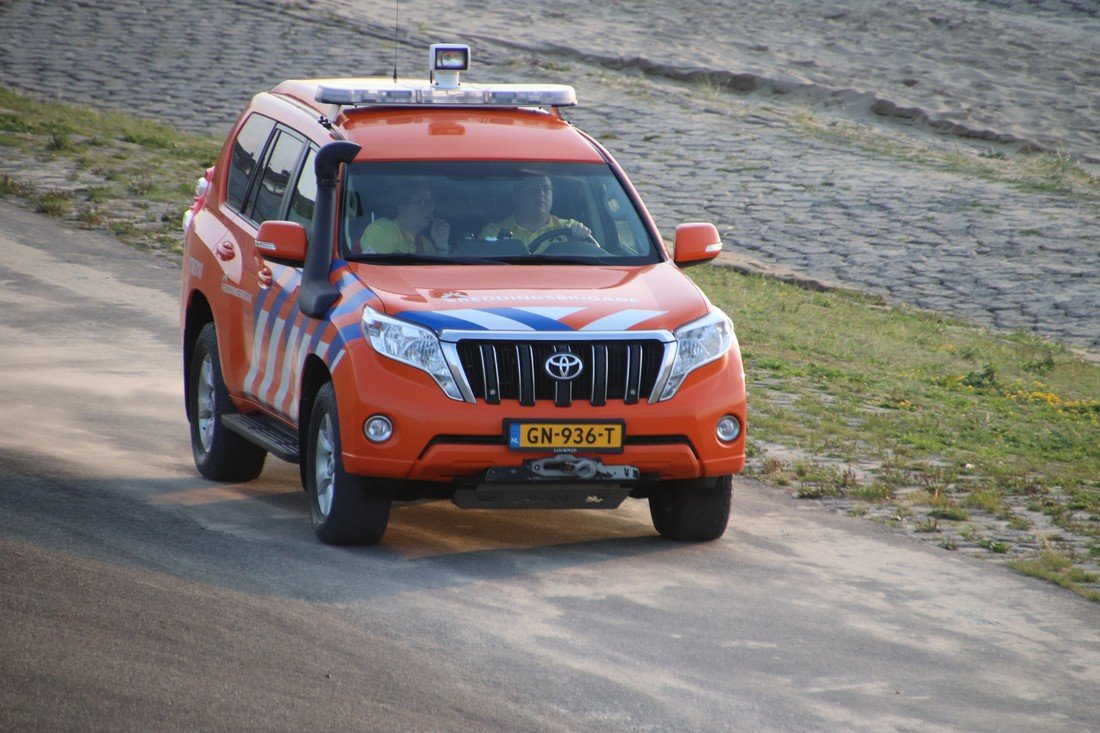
532	199
412	229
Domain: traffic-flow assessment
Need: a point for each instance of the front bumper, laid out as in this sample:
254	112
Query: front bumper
436	439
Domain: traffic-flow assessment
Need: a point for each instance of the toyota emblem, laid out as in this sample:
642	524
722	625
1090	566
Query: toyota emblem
564	366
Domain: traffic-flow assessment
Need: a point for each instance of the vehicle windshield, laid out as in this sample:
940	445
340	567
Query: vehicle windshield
491	213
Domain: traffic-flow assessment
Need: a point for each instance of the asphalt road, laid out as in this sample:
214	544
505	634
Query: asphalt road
136	596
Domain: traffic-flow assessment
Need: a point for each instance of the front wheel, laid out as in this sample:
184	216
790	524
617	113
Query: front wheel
695	510
220	454
345	509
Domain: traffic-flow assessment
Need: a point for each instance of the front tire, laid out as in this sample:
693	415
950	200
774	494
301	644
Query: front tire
345	509
220	454
695	510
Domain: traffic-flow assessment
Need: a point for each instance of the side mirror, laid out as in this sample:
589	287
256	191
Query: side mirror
695	244
282	240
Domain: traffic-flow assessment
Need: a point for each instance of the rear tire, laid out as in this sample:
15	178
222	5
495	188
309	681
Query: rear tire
345	509
220	454
695	510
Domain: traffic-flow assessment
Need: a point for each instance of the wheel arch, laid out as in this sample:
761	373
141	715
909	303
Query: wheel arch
315	374
198	314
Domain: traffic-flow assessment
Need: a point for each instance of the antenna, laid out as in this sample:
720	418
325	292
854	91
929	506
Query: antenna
396	19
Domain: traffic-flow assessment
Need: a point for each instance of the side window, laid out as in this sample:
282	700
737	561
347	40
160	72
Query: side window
271	189
246	154
630	237
305	193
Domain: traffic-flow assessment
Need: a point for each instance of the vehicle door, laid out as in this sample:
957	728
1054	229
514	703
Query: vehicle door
249	336
282	334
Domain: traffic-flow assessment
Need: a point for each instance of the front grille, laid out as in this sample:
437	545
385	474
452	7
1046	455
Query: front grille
515	370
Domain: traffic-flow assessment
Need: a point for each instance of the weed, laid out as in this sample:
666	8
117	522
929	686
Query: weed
984	379
53	203
927	525
22	189
89	218
711	88
952	513
141	186
556	66
814	491
97	194
772	466
123	229
59	142
987	500
1041	363
876	492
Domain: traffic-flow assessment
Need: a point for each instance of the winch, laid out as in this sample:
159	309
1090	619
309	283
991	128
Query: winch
561	468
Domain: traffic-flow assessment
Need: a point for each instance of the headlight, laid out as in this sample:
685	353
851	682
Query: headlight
411	344
697	343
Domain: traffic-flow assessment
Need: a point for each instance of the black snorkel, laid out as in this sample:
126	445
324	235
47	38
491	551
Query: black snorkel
318	293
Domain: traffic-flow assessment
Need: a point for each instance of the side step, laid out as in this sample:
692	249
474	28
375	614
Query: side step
271	435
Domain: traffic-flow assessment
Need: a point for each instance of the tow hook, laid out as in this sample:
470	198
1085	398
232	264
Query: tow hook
559	467
565	466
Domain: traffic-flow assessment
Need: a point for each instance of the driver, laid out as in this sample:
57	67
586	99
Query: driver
532	199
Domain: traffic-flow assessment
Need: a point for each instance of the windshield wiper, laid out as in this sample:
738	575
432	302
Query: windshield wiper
413	259
552	260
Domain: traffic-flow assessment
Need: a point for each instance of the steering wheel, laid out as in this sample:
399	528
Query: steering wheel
533	245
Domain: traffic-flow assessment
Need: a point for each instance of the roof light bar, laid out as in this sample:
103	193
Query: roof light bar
385	92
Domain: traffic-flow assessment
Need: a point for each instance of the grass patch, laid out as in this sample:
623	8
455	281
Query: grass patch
56	203
916	389
952	513
1033	172
993	546
969	421
122	166
1057	568
928	526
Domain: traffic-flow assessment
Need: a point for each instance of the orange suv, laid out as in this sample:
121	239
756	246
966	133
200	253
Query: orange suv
435	289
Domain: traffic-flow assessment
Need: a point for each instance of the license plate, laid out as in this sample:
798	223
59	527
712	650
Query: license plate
565	437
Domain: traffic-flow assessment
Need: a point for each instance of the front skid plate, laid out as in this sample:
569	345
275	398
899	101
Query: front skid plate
593	496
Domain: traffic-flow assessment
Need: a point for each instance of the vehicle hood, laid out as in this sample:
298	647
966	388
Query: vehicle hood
536	298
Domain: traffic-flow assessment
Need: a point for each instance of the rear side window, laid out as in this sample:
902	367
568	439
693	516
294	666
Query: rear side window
245	156
305	193
278	169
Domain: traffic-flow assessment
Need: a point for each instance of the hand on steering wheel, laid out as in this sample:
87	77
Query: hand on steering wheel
578	232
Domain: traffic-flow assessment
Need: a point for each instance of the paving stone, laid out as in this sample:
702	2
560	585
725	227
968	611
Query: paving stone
921	235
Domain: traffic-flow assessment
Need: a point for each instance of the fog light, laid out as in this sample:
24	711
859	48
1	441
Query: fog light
729	427
378	429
